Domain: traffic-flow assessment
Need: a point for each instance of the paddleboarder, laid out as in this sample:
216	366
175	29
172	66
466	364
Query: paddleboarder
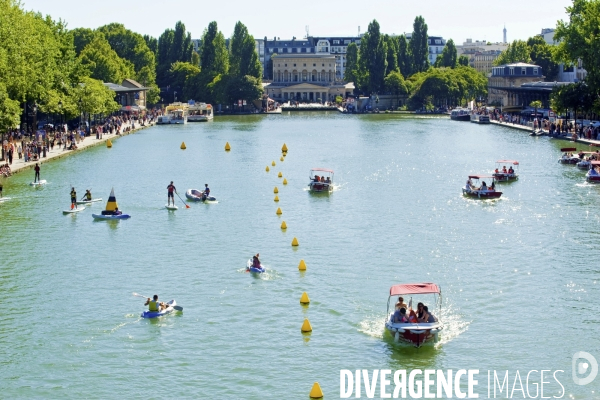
170	189
1	190
87	196
154	304
206	192
37	173
73	198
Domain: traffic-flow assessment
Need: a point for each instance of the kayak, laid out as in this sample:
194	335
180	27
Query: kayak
196	195
87	202
171	208
156	314
74	210
254	269
38	183
100	216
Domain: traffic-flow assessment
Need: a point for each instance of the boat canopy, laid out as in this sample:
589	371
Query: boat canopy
568	149
595	162
513	162
414	288
481	176
322	169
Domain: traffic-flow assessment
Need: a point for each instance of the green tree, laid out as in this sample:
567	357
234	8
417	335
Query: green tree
373	59
418	45
576	96
173	46
463	60
351	71
542	54
103	63
448	58
152	44
405	61
82	37
243	58
579	39
517	51
95	98
394	83
214	57
181	74
392	54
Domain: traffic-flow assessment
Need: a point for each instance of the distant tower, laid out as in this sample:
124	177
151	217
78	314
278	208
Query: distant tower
504	31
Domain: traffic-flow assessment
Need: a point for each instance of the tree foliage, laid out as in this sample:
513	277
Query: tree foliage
373	60
173	45
463	60
392	54
103	63
516	52
542	54
405	60
351	71
243	58
419	47
448	58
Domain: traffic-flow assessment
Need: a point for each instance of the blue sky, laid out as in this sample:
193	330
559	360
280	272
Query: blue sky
458	20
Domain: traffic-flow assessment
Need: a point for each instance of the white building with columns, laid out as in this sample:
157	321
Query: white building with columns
306	77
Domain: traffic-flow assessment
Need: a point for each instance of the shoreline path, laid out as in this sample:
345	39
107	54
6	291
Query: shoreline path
20	165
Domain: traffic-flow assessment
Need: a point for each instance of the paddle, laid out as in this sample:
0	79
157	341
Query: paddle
178	308
184	203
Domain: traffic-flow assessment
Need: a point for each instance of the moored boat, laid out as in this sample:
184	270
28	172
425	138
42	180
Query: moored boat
175	113
199	112
483	191
415	333
480	118
155	314
197	195
501	174
460	114
323	183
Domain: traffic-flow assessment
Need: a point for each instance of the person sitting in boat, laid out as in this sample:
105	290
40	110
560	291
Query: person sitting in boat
316	178
256	261
504	169
401	304
154	304
469	185
400	317
423	316
493	186
117	212
483	186
511	170
593	171
323	179
206	192
429	318
496	171
328	180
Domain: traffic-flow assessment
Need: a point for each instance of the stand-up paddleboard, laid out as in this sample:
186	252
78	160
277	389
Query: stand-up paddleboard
4	199
38	183
74	210
171	208
87	202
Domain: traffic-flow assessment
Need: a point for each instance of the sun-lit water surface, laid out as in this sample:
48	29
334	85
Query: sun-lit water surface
519	275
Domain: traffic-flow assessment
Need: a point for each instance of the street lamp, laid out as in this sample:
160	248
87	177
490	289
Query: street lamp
174	96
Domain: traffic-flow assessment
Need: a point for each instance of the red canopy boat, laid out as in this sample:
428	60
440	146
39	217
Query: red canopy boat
415	333
321	180
593	176
501	176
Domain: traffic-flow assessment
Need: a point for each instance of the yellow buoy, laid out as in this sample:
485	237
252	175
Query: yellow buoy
304	299
227	146
306	327
182	147
284	154
302	265
284	148
279	175
283	225
273	163
295	242
281	158
108	143
284	181
267	169
278	212
275	190
316	392
276	199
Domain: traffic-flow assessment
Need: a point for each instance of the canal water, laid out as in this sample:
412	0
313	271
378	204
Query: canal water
519	276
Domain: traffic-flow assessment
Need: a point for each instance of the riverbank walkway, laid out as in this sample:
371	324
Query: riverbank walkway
528	129
20	165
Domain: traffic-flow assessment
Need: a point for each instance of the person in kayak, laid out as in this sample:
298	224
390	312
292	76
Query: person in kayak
170	189
206	192
154	304
256	261
87	196
73	198
37	173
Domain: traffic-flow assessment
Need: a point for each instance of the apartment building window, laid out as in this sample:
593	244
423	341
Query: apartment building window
285	65
336	42
347	41
314	65
308	50
523	71
304	65
535	71
285	50
294	65
511	71
304	50
294	50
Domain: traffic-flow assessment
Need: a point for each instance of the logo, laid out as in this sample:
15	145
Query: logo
580	368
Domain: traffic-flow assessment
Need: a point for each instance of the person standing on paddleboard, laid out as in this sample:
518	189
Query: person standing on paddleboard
170	189
37	173
73	198
206	192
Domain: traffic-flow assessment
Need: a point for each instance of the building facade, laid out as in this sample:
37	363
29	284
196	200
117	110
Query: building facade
483	61
505	78
306	77
436	45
